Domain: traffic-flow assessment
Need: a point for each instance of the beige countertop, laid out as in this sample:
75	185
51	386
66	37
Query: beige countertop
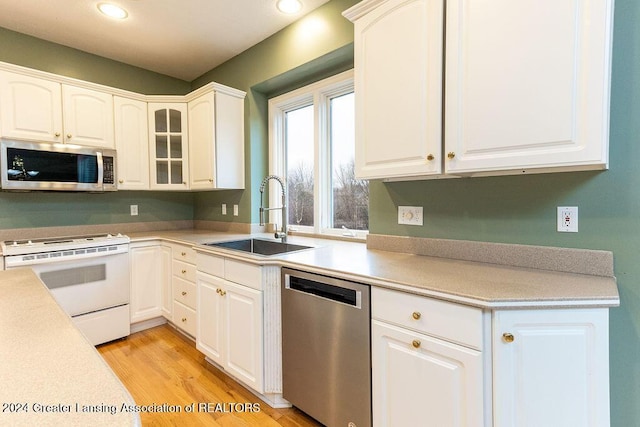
480	284
51	375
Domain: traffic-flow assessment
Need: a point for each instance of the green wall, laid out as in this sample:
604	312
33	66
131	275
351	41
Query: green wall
314	47
522	209
510	209
18	210
27	51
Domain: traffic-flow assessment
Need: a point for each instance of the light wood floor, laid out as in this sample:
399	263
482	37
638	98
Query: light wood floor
161	366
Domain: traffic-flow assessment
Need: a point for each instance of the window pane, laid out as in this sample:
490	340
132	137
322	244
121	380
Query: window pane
175	121
161	120
161	147
350	195
300	163
176	146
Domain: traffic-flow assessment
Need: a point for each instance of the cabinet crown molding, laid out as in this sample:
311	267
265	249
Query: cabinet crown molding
13	68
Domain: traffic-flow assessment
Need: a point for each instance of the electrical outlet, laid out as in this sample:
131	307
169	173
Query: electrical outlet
134	210
410	215
224	209
568	219
235	210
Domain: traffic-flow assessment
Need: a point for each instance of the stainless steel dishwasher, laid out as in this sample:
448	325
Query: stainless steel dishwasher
326	348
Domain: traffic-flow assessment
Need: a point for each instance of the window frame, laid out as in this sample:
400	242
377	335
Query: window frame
318	94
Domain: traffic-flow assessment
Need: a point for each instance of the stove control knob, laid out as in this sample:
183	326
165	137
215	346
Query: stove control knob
29	242
119	235
109	236
15	243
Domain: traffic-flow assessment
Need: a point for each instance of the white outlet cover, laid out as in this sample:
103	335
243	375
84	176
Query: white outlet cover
568	219
410	215
224	209
133	209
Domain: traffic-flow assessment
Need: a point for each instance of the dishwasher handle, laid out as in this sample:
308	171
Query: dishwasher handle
339	294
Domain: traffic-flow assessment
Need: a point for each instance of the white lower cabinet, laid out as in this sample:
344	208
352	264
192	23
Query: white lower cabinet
149	279
230	318
551	368
230	328
420	377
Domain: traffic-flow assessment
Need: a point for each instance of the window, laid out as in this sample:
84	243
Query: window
312	145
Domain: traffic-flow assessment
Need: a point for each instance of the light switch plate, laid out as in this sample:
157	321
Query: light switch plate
410	215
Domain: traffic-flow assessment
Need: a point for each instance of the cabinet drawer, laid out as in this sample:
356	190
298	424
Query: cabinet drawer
185	292
245	274
184	253
210	264
184	318
183	270
449	321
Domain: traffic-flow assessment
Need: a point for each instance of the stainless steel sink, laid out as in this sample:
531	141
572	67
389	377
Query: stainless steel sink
259	246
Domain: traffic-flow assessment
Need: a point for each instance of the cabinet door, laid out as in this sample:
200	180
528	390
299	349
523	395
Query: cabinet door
422	381
167	289
30	108
243	317
88	117
210	335
146	282
202	141
398	86
132	143
550	368
229	171
168	146
527	85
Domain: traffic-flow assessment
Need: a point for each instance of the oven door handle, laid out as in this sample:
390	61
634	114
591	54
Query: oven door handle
15	261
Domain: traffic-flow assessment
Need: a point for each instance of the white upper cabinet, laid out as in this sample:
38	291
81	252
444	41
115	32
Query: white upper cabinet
30	108
398	86
216	141
526	86
87	117
132	143
168	146
42	110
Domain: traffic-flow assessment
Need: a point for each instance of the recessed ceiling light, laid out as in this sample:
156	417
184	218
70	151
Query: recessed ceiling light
289	6
112	11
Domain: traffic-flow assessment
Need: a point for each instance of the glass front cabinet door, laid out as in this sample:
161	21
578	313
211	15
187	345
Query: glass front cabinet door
168	146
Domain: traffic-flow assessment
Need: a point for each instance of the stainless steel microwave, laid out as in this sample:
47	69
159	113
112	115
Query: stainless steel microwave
38	166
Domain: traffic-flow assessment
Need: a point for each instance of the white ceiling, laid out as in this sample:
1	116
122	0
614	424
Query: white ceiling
179	38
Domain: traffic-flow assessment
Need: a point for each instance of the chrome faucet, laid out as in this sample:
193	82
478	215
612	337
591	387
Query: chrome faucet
282	234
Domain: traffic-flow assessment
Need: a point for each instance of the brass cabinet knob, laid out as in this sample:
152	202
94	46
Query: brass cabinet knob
416	344
222	293
57	134
507	337
184	293
218	291
184	319
451	155
430	157
416	315
69	136
210	180
183	253
121	181
184	271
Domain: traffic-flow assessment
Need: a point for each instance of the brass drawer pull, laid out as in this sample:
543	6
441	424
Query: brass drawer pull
184	319
416	344
184	271
184	293
416	315
508	338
